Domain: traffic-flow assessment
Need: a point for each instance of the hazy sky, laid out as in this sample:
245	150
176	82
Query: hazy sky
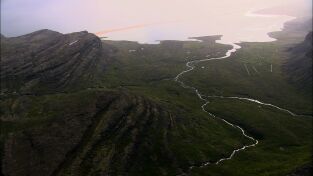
23	16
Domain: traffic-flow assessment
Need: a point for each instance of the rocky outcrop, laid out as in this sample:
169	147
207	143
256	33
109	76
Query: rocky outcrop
47	60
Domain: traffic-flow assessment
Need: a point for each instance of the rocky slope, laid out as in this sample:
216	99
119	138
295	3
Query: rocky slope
52	125
107	132
54	121
49	61
299	66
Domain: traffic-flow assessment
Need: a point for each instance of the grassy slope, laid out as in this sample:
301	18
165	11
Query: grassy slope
285	141
229	77
195	137
150	72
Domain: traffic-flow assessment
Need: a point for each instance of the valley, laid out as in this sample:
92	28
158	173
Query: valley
138	109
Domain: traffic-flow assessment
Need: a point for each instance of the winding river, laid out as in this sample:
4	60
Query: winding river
191	65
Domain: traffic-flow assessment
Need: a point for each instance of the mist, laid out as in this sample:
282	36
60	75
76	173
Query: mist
149	21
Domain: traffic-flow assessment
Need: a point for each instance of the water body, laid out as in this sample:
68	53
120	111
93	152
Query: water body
234	27
148	21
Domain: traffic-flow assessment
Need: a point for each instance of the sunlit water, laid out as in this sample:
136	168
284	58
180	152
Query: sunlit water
147	21
234	28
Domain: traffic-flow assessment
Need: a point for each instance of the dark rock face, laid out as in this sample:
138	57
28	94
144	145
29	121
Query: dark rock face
305	47
299	66
48	60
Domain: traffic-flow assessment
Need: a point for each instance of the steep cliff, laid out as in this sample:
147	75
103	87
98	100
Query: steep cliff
299	66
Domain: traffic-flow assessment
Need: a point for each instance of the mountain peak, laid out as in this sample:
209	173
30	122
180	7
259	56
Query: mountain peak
51	59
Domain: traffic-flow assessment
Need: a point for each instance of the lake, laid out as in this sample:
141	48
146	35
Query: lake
149	21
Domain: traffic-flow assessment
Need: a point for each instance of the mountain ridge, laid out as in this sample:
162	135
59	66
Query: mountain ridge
299	66
47	61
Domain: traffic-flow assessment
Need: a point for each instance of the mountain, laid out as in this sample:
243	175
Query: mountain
67	125
49	61
71	104
59	115
299	66
110	132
